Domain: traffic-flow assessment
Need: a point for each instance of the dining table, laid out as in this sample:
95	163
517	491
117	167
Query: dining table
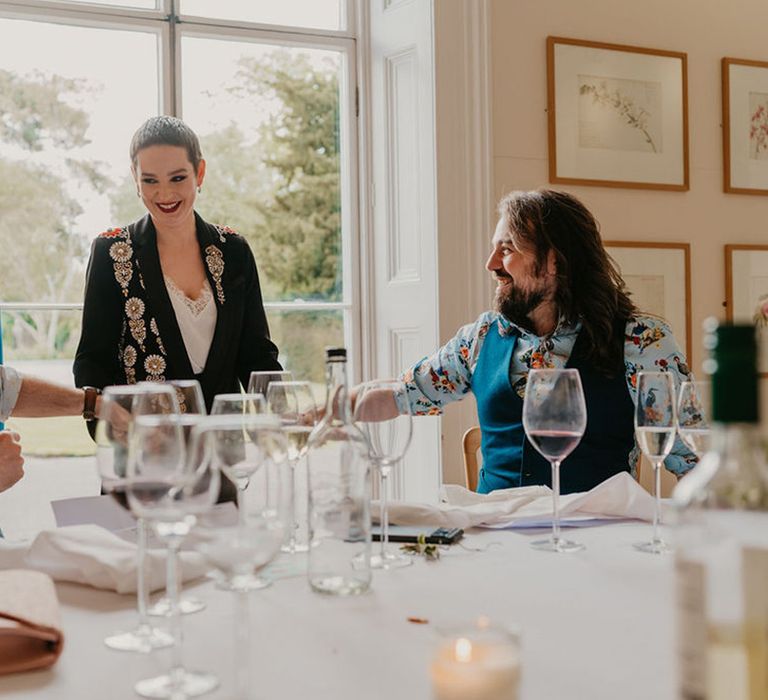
595	624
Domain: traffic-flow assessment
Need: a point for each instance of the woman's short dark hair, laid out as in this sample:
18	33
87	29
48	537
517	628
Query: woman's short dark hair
589	286
166	131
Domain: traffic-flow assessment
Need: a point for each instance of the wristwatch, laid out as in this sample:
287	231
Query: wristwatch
89	402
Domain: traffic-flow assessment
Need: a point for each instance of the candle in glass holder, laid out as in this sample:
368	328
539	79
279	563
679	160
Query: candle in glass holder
479	663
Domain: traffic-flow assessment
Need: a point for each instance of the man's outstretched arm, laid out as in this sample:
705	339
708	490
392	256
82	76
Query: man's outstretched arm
38	398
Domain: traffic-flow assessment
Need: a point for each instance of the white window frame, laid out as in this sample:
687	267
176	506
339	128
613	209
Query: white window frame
170	27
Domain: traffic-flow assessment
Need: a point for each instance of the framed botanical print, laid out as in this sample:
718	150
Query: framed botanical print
658	275
618	115
746	292
745	126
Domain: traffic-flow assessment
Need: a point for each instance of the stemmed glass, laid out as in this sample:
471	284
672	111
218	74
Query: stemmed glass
554	419
259	382
238	405
383	413
655	426
240	551
294	405
170	486
693	415
241	446
190	396
186	399
112	430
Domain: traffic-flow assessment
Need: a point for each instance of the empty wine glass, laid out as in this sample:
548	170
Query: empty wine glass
170	486
189	395
259	382
655	426
383	413
554	419
186	394
238	404
241	446
238	550
294	405
693	415
112	430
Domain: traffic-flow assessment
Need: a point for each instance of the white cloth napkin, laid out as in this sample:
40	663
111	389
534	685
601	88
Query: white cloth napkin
618	497
94	556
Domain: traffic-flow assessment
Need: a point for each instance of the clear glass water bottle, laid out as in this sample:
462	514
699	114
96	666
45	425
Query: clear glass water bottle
339	467
721	561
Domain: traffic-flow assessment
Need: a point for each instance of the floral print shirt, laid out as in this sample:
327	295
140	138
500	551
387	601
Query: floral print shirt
446	375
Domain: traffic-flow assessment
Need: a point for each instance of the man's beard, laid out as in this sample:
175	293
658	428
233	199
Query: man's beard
516	304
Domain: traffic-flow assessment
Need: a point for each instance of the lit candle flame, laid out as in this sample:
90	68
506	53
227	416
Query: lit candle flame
463	650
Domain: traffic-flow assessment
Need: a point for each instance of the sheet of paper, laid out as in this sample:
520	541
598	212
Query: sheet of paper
98	510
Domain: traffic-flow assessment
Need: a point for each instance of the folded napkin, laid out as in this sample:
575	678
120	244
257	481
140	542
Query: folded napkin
620	496
96	557
30	627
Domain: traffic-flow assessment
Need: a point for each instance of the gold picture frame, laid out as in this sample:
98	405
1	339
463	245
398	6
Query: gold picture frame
745	126
617	115
659	276
746	289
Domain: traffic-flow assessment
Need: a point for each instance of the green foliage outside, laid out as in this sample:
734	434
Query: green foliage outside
281	192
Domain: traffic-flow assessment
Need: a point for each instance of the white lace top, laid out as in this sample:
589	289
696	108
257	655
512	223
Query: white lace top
197	321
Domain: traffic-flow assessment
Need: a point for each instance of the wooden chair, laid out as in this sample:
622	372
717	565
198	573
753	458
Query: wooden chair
471	444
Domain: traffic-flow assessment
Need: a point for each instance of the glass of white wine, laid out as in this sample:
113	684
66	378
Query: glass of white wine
655	428
693	415
294	405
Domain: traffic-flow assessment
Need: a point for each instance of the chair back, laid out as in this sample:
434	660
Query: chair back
471	444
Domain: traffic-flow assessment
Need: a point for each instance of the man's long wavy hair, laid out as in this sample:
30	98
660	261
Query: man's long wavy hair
589	286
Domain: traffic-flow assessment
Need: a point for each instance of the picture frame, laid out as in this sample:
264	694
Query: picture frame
746	292
617	115
658	274
745	126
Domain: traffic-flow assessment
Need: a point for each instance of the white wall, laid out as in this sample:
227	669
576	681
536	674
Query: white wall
705	217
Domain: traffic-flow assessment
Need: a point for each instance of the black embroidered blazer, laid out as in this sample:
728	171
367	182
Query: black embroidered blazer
130	333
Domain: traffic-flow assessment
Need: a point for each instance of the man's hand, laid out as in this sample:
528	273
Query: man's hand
11	461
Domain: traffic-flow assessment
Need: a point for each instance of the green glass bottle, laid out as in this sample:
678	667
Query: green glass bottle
721	548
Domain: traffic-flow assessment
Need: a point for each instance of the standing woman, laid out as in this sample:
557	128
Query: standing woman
171	296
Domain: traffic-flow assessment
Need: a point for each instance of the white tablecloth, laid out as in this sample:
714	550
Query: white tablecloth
596	624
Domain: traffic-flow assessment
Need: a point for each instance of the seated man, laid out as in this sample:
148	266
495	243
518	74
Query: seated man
31	397
560	302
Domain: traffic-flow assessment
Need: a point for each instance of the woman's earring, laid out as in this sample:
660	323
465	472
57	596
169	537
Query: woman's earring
138	194
199	189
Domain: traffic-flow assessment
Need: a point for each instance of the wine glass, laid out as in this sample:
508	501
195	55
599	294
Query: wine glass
170	486
383	413
189	395
238	553
294	405
237	550
694	416
238	404
241	447
259	382
554	419
112	430
655	426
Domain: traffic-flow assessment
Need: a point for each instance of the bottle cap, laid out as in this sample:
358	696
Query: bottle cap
336	353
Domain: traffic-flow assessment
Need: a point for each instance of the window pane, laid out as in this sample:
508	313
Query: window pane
42	343
302	337
314	14
268	119
71	97
134	4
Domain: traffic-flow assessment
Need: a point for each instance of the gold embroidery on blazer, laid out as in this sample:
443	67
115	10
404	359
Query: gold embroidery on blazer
215	261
